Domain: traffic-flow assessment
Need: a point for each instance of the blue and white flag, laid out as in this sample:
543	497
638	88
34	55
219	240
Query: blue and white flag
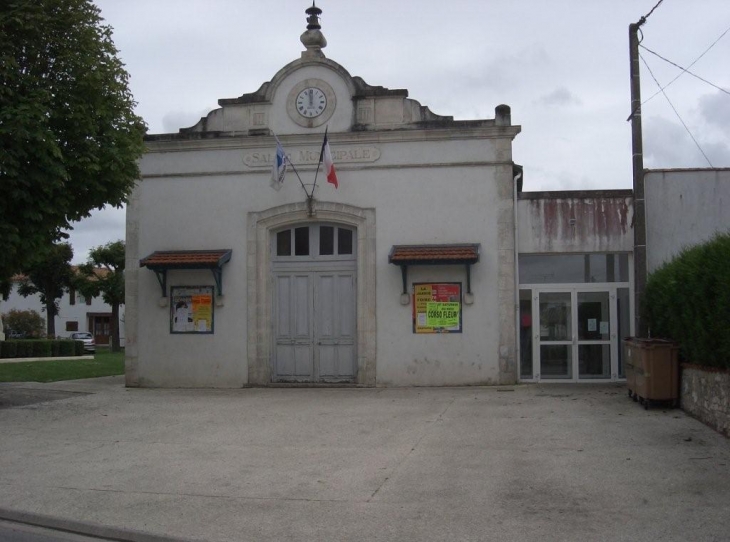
278	169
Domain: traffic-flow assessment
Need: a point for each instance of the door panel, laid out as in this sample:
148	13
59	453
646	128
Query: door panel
555	335
334	317
594	334
293	336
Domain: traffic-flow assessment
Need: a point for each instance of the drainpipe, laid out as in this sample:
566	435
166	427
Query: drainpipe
518	354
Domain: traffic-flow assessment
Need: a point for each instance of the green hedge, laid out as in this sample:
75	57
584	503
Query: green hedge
40	348
688	300
67	348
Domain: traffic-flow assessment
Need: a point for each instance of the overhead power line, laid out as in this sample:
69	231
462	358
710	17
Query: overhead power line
685	70
675	110
645	17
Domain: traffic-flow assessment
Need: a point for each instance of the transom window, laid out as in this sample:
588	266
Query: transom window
573	268
315	242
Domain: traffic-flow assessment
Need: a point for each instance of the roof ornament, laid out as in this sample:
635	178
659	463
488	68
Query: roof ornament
312	38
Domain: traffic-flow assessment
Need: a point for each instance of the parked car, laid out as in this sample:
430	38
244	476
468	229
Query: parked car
87	338
12	334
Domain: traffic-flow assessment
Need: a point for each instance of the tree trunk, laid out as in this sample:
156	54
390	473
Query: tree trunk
115	327
51	320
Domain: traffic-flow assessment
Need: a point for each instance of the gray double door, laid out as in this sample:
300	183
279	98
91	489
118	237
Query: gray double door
314	323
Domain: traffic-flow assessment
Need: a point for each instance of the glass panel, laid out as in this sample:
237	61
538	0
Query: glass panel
326	240
624	324
556	361
344	241
526	333
623	268
301	241
283	243
555	317
573	268
593	316
546	269
594	360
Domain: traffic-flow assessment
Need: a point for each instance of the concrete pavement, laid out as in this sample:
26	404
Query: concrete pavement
548	462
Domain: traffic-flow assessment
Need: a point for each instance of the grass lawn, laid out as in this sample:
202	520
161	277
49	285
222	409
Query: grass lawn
105	363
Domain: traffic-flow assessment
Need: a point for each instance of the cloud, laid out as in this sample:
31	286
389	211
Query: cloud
715	110
561	96
668	145
172	121
102	227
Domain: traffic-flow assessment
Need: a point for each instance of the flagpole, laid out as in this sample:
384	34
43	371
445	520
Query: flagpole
321	155
291	164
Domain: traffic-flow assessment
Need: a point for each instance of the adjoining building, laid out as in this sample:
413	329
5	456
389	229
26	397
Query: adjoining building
417	261
76	313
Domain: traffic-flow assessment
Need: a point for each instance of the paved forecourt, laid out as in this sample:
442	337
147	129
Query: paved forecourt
549	462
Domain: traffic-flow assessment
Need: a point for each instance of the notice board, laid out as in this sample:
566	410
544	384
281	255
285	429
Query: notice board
437	307
191	309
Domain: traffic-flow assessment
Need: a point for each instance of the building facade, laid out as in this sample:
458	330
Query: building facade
421	262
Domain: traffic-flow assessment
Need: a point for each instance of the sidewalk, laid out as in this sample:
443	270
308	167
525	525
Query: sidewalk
549	463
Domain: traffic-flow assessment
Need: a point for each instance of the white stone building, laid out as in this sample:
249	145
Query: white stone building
427	265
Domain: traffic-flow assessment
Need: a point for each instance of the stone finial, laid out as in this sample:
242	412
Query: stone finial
313	39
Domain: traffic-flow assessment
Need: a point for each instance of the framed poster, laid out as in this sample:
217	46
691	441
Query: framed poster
437	307
191	309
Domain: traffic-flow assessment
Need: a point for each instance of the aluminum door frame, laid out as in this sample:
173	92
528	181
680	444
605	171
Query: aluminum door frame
573	289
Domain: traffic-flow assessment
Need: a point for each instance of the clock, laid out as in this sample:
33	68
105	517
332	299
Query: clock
311	102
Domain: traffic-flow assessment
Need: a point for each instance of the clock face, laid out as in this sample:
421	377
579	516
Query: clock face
311	102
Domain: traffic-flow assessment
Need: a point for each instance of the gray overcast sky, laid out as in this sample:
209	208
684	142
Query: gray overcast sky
562	65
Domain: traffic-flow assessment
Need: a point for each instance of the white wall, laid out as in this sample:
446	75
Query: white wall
684	207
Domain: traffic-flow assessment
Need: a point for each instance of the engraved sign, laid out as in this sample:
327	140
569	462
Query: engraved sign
340	155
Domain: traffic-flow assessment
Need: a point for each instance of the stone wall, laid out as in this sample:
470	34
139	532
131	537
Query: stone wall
706	396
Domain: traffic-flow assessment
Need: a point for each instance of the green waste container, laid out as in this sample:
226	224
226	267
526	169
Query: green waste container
652	371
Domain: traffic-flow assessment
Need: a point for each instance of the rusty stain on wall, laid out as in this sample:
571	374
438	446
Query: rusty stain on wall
581	223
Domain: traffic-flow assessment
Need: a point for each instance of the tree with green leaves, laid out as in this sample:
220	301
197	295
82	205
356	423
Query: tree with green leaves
49	274
69	137
103	274
28	323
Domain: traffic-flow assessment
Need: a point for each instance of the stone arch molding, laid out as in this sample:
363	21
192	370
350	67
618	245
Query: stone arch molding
260	283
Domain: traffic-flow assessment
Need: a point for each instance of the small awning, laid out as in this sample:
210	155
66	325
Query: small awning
452	254
163	260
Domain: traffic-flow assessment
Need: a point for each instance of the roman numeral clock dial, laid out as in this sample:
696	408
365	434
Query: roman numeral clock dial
311	102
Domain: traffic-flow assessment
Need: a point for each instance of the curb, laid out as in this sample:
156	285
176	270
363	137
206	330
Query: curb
62	358
83	528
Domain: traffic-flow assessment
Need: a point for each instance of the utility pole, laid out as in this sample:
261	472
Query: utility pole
640	272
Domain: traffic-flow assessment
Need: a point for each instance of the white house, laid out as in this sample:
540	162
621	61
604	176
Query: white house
76	313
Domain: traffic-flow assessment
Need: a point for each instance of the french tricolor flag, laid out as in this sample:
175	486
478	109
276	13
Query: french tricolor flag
326	157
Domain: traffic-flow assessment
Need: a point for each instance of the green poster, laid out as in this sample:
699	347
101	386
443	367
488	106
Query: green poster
442	314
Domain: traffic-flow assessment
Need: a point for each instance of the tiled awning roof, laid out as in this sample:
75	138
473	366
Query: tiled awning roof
186	259
434	254
163	260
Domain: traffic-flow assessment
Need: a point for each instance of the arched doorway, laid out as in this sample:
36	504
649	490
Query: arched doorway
265	268
314	313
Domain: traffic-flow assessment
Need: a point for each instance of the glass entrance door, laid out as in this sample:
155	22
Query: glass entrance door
555	327
594	334
574	335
